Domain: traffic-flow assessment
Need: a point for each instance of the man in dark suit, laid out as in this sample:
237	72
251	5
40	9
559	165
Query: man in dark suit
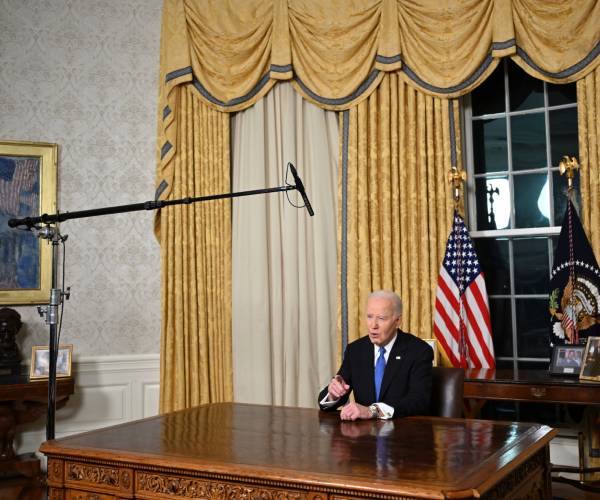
389	371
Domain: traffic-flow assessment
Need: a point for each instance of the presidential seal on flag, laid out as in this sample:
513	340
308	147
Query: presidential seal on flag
574	285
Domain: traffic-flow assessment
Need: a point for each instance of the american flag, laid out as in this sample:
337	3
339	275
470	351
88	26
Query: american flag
462	316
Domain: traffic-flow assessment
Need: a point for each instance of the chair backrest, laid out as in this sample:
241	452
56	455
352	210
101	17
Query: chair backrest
447	392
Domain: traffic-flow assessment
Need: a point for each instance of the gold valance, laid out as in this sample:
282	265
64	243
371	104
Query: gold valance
336	52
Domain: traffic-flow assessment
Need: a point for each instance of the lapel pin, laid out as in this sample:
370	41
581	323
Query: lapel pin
398	357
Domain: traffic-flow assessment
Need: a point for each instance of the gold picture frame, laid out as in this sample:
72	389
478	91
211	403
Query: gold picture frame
40	361
433	344
28	180
590	366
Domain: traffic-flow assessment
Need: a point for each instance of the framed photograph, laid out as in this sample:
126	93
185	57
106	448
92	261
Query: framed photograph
27	189
590	368
433	344
566	359
40	361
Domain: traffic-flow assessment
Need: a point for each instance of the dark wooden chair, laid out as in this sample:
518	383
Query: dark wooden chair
447	392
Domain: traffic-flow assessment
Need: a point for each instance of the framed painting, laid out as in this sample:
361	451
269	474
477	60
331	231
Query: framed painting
27	189
40	361
590	368
566	359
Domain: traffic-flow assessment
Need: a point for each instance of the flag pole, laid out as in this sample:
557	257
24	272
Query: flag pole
568	166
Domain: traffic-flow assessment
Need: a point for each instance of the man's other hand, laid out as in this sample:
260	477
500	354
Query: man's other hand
354	411
337	388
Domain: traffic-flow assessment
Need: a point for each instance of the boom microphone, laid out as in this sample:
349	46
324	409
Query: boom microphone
300	188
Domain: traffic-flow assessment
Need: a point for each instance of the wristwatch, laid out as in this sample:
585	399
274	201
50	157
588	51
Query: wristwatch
374	411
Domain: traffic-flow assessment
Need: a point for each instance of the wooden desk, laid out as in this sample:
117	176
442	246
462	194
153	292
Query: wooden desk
530	386
23	401
232	450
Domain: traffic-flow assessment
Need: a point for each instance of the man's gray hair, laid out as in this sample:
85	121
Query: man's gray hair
393	297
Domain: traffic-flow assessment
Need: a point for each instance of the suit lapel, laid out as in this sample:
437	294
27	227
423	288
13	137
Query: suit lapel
394	362
368	366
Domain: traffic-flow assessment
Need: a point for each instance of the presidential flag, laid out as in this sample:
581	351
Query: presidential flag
462	315
574	285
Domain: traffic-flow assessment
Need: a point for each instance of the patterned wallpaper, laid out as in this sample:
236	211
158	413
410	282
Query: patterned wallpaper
83	74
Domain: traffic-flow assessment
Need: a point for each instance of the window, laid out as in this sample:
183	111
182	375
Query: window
517	129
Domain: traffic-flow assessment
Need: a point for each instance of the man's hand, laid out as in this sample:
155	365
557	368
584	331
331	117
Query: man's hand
354	411
337	388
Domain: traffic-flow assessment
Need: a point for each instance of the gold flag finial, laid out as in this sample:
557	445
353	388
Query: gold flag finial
568	166
456	177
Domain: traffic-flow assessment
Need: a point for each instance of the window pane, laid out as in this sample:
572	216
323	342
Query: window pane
561	94
528	141
489	96
492	198
563	134
531	265
501	327
559	189
533	329
493	259
489	145
532	200
526	92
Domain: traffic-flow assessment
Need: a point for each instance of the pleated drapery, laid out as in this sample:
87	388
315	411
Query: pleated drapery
588	111
228	54
195	240
283	261
395	202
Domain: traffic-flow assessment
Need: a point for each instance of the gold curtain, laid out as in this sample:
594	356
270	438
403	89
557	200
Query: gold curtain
588	111
397	148
196	263
228	54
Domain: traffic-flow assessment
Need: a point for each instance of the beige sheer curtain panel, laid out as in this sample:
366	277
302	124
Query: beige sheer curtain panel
195	362
396	204
588	110
284	262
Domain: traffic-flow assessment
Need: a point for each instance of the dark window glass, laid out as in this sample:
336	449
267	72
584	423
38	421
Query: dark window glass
532	200
531	265
561	94
533	328
559	189
492	197
501	327
525	91
528	141
493	258
489	145
489	96
563	134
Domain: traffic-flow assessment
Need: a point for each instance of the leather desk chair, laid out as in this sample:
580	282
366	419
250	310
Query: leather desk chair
447	392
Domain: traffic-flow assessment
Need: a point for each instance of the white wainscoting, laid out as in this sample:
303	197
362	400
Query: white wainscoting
109	390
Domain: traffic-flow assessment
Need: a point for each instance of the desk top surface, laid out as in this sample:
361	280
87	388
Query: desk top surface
306	445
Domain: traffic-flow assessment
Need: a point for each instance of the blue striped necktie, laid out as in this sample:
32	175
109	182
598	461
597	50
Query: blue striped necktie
379	369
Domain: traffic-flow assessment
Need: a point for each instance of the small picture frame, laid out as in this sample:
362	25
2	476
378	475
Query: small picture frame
566	360
40	361
590	367
433	344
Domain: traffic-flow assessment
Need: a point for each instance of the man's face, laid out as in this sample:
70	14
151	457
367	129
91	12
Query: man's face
382	322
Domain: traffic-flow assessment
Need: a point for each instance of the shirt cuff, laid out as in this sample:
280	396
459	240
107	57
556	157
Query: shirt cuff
325	402
385	411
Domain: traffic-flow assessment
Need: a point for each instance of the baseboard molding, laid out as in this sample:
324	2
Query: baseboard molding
109	390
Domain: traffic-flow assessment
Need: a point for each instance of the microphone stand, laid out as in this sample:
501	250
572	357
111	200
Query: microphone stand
52	234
